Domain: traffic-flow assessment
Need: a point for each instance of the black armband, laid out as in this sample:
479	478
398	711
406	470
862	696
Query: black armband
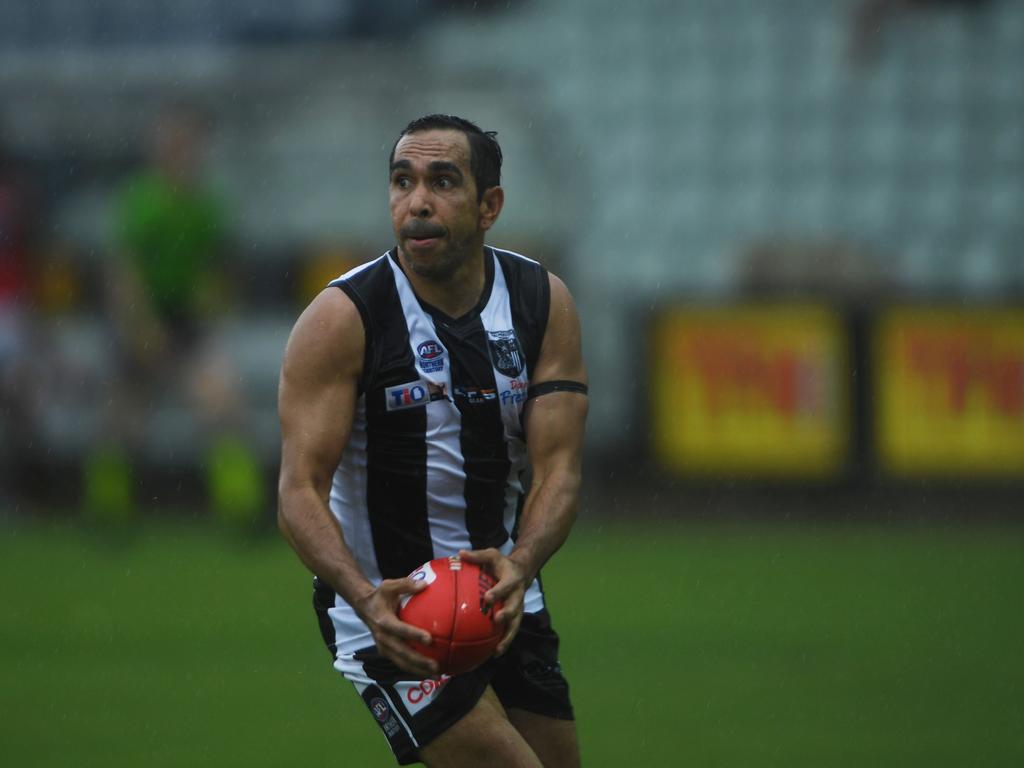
560	385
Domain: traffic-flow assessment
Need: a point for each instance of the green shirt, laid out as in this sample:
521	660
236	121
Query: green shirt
173	236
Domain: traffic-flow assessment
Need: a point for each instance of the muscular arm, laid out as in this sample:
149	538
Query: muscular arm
554	438
554	425
316	403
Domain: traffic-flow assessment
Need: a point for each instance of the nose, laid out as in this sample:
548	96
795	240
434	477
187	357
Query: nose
419	202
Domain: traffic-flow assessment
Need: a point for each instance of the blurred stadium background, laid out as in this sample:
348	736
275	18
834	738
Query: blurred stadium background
793	230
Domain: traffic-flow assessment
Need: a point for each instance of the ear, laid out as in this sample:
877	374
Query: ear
490	207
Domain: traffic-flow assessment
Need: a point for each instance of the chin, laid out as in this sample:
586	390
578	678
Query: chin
435	265
434	270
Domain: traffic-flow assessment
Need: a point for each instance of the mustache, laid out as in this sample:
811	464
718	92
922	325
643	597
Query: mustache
420	230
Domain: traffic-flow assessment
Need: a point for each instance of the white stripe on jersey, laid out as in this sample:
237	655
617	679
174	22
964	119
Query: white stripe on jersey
513	253
348	491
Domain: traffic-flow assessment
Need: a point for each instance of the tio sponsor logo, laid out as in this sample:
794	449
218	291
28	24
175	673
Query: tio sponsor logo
426	689
406	396
414	394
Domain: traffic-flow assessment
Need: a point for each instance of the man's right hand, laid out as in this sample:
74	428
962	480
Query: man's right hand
379	611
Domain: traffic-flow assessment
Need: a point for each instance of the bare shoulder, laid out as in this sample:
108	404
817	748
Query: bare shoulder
328	339
561	298
561	354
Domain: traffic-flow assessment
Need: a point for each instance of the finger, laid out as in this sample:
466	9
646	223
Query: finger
414	663
406	586
504	592
480	556
405	632
408	659
506	641
508	612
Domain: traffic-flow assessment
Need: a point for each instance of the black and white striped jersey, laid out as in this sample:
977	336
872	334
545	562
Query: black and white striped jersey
437	452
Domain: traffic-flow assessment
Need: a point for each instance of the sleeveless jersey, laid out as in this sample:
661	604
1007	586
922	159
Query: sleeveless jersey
436	456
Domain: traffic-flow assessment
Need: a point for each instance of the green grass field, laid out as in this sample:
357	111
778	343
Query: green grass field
687	645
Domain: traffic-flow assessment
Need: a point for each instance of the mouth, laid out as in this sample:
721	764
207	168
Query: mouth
421	235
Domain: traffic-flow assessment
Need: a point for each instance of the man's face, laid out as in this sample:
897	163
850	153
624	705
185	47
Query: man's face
434	209
177	147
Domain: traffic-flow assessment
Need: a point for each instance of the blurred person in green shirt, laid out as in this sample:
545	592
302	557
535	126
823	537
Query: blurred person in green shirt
165	291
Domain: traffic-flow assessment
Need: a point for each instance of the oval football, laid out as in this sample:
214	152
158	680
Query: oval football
453	611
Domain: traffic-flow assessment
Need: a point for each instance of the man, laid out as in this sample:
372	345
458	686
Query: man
164	298
374	483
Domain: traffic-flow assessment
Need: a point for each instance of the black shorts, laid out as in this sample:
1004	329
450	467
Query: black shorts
412	713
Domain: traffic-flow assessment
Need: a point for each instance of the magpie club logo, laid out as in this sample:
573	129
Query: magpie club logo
506	352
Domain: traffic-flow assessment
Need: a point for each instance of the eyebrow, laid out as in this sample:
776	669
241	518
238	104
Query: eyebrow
434	167
444	166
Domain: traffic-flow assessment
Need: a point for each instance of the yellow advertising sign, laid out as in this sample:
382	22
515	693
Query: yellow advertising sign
949	391
753	389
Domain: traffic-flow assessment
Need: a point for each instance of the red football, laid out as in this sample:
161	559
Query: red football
452	610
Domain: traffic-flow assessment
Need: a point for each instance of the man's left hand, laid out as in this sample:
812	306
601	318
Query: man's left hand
509	590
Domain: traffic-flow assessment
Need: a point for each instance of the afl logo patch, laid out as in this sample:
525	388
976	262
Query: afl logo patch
380	709
506	353
431	356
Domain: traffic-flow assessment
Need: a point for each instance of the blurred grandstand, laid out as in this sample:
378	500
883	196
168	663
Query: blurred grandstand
705	151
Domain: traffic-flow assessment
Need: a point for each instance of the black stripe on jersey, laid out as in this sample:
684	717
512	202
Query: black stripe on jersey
350	290
482	434
381	706
323	601
530	296
396	447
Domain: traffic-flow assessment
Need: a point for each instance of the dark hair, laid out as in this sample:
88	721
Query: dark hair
484	152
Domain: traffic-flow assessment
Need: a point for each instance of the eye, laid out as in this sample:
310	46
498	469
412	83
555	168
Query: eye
445	183
402	182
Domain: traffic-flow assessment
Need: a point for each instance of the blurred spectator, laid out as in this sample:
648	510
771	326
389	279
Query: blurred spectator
18	229
871	16
165	288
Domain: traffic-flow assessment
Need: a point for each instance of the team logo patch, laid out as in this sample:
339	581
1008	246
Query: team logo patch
506	353
431	356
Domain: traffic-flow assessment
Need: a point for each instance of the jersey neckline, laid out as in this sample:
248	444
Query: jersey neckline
439	314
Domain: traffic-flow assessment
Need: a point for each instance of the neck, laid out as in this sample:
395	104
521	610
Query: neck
455	294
